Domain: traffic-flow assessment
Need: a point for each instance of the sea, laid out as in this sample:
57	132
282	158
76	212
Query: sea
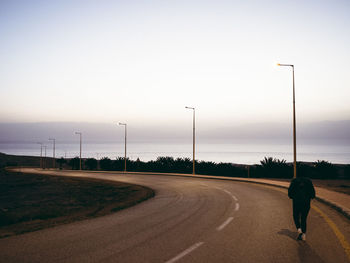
239	153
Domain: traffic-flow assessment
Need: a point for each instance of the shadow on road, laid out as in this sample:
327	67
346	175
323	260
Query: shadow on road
307	254
305	251
286	232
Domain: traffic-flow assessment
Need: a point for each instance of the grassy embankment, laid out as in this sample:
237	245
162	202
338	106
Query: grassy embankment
31	202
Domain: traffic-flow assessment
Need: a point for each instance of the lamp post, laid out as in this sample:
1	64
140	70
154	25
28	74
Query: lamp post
54	158
80	134
41	154
194	136
124	124
44	157
294	121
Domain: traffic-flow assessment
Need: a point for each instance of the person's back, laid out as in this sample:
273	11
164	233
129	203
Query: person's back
301	190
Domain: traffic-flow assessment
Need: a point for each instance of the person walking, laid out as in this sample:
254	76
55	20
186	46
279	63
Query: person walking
301	191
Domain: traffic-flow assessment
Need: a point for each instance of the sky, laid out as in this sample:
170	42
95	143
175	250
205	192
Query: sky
142	62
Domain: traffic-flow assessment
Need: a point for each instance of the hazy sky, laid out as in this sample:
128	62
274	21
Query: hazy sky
142	62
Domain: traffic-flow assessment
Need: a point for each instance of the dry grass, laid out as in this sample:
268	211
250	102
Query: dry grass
337	185
31	202
342	186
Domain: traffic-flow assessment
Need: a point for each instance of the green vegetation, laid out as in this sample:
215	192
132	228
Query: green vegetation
269	167
61	162
74	163
91	163
275	168
172	165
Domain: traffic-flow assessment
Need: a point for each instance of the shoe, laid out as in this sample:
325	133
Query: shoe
300	236
303	237
299	231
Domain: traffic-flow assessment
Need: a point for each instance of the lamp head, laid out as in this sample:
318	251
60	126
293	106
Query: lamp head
285	65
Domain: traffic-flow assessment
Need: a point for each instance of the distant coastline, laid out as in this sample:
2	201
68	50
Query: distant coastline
240	153
321	131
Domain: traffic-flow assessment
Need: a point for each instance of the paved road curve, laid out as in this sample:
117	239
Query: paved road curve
189	220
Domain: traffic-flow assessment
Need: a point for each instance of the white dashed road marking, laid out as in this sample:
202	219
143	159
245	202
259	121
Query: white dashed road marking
230	194
223	225
185	252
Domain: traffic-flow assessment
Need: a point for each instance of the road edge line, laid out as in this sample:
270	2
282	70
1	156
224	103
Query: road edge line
336	231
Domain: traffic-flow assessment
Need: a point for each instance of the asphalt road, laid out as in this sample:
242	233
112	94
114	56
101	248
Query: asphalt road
189	220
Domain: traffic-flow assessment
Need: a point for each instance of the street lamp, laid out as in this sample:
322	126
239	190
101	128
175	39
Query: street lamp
124	124
294	121
54	146
41	154
194	136
44	157
80	134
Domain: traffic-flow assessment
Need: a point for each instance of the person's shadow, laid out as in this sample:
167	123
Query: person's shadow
288	233
305	251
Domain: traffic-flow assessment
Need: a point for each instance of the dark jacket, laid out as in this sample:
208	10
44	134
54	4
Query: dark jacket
301	190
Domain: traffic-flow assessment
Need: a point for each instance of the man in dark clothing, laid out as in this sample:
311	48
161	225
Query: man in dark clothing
301	190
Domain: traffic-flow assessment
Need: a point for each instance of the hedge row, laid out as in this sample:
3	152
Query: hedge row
268	168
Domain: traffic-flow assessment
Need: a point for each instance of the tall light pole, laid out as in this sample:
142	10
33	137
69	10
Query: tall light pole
294	121
124	124
41	154
80	134
194	136
54	158
45	157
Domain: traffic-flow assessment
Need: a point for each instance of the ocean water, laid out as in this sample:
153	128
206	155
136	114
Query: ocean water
242	153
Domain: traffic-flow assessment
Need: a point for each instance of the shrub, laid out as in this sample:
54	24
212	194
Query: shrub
347	171
74	163
274	168
61	161
91	163
306	170
119	164
325	170
106	164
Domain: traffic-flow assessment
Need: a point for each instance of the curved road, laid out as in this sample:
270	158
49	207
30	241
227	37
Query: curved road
189	220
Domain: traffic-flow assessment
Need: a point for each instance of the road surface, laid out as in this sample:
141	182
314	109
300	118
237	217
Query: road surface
189	220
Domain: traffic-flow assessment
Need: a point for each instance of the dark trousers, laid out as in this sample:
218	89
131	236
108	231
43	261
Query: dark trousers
300	212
